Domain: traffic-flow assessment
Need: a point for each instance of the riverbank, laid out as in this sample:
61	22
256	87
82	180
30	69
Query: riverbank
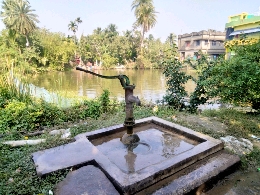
17	171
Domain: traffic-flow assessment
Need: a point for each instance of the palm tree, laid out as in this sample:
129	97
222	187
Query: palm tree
145	16
78	20
73	27
171	39
17	15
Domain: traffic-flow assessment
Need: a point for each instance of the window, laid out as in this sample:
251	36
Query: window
197	42
187	43
206	42
214	43
220	43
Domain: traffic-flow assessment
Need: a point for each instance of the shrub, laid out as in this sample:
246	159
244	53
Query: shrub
235	81
175	82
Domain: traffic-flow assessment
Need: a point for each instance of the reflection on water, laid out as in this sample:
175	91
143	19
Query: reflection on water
41	92
150	84
161	146
130	158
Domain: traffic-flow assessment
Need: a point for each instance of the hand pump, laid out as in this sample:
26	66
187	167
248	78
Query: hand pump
129	137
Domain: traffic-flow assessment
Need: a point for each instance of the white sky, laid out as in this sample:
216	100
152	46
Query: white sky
175	16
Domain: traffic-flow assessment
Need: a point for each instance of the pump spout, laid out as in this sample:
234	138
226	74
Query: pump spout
134	99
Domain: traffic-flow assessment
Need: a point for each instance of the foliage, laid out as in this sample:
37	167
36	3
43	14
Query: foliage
145	16
175	80
105	101
142	62
9	92
20	113
108	61
73	26
202	66
237	80
154	50
17	15
56	49
235	42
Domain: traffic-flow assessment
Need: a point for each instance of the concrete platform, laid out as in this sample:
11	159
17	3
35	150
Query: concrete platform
84	151
86	180
91	180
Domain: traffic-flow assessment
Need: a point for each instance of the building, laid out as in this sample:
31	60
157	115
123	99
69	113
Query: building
243	24
210	42
239	26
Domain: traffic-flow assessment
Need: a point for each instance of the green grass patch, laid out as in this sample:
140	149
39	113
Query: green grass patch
239	124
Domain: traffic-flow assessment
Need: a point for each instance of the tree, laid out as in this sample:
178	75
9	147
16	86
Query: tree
237	81
97	31
73	26
171	39
17	15
145	16
57	51
175	78
111	32
78	20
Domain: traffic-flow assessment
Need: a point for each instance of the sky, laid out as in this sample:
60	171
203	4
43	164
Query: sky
174	16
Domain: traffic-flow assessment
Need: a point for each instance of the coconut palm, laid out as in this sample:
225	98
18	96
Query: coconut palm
171	39
73	27
17	15
145	16
78	20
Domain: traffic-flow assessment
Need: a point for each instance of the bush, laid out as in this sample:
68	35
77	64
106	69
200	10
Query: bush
236	81
20	113
175	82
19	116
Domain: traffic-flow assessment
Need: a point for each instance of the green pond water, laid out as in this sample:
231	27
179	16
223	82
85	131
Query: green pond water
64	87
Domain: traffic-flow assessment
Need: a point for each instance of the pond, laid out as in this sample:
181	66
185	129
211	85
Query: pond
62	87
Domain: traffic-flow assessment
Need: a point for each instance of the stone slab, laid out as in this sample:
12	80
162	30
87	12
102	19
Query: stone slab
87	180
65	156
197	174
82	151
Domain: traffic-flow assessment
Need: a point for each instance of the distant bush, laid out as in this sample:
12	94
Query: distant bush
18	116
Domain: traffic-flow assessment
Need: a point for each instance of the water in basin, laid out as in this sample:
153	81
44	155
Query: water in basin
155	146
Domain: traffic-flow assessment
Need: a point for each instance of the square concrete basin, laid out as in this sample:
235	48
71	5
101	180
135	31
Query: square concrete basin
164	149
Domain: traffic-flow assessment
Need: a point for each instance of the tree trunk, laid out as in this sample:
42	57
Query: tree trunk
27	41
142	43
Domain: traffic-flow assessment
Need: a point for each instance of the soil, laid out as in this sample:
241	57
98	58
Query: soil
205	122
238	183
